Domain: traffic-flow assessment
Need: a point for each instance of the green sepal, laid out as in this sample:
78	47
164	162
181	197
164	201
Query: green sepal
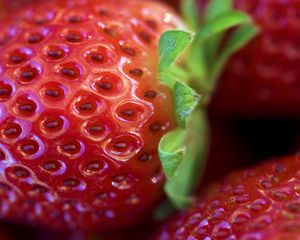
238	39
186	100
181	185
216	8
197	60
171	47
222	23
190	13
171	150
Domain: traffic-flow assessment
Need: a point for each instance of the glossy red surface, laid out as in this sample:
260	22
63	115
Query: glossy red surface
82	112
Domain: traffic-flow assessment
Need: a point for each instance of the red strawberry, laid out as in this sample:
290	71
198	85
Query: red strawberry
259	203
262	79
82	112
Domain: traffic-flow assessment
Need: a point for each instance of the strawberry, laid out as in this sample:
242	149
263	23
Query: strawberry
82	112
262	79
258	203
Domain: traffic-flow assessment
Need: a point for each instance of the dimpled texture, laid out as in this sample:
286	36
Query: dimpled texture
262	79
254	204
82	112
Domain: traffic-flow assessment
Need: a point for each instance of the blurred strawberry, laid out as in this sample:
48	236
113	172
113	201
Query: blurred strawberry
258	203
262	79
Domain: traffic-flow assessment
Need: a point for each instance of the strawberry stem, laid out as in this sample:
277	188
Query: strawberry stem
190	64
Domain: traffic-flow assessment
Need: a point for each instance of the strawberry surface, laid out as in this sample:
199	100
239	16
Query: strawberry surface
258	203
82	112
262	79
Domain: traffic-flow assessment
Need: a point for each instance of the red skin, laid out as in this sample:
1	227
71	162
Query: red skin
79	127
262	79
262	202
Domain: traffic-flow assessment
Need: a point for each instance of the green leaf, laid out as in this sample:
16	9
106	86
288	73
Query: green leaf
198	63
186	100
222	23
238	39
216	7
171	151
181	185
171	46
189	12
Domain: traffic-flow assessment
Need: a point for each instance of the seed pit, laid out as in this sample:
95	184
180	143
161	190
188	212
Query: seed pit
150	94
124	146
71	71
94	167
6	90
39	189
71	148
36	36
71	182
29	147
29	73
99	55
18	172
52	123
155	127
105	85
130	112
145	37
145	157
12	131
55	52
103	12
86	104
120	146
108	84
26	106
122	181
96	57
40	16
53	91
74	36
18	56
129	51
136	72
51	166
75	19
111	32
98	128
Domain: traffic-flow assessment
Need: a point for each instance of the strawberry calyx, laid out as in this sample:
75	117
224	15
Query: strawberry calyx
190	65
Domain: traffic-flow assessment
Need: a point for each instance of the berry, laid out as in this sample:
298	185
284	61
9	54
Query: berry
82	112
261	80
258	203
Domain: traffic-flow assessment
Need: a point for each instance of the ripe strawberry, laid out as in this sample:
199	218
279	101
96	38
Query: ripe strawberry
258	203
262	79
82	112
